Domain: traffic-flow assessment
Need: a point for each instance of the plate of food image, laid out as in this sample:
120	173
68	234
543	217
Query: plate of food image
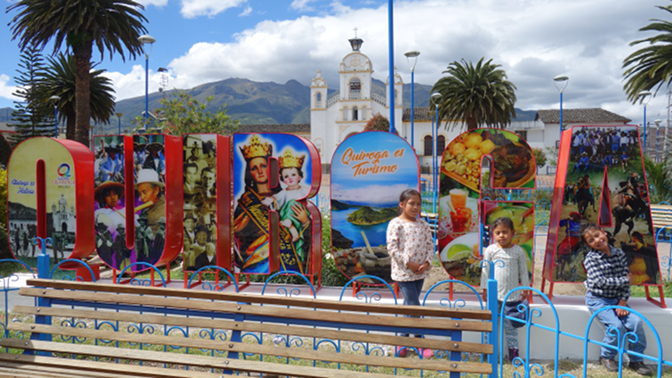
461	259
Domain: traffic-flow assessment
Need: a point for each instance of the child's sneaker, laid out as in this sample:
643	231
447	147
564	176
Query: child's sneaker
400	351
427	354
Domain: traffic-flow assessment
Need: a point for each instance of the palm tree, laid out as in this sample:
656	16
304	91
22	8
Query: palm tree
59	79
111	25
650	66
476	95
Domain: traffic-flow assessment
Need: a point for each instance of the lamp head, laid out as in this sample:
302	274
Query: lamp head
119	114
559	80
55	99
645	97
147	39
435	97
144	39
412	58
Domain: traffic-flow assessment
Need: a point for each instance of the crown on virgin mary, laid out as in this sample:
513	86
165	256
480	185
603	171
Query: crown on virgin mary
289	160
256	149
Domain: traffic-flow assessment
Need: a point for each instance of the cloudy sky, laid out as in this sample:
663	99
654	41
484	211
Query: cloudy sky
199	41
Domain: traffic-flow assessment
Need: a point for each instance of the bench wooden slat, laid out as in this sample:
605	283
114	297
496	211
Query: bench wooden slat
90	368
272	311
233	364
266	299
225	346
375	338
14	369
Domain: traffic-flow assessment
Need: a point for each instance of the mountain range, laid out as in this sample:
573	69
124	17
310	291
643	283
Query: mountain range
253	102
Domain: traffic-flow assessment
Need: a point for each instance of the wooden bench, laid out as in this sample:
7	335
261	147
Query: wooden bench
95	330
661	216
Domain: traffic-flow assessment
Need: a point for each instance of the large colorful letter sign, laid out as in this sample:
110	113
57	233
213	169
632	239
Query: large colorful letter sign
368	173
600	179
49	193
512	166
274	175
132	223
206	201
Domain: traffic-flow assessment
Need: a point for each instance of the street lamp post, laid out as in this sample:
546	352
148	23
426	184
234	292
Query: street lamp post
646	97
435	98
147	39
54	100
657	122
119	118
558	82
412	58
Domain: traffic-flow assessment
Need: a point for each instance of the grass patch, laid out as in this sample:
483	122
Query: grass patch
640	291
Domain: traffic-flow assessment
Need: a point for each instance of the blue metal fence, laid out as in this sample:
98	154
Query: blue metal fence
372	297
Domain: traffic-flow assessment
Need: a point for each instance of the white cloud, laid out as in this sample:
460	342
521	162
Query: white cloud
210	8
532	40
158	3
7	90
246	12
302	5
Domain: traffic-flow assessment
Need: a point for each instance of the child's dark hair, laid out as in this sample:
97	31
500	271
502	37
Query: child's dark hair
405	196
584	227
504	222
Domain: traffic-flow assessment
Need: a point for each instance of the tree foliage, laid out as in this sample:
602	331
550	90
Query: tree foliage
539	156
33	115
377	123
183	114
659	179
4	240
651	66
110	25
59	79
475	95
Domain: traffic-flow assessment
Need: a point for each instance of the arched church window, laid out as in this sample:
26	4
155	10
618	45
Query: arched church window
355	90
355	113
440	145
318	100
428	145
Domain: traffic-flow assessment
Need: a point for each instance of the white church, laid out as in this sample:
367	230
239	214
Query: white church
346	113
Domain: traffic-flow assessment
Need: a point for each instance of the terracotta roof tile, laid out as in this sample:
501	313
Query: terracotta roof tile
587	116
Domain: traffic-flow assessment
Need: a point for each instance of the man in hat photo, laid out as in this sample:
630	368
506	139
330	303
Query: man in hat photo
122	254
197	157
189	233
155	159
150	190
139	153
202	252
159	242
143	240
104	237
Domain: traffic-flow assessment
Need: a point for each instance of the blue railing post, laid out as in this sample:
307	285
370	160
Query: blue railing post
493	337
43	262
43	271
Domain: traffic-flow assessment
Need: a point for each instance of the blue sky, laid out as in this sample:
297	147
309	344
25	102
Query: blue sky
201	41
